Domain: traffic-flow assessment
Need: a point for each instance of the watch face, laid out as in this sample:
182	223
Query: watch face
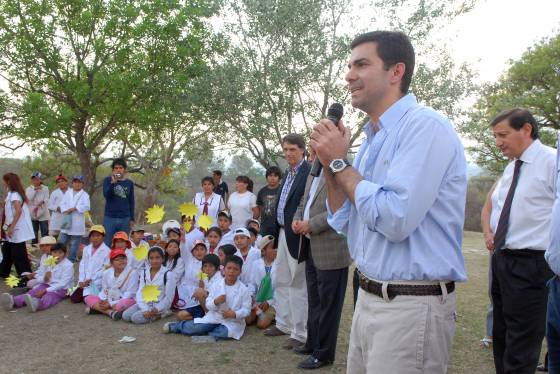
337	164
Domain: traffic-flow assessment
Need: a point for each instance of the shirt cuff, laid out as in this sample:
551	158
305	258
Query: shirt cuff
339	220
365	200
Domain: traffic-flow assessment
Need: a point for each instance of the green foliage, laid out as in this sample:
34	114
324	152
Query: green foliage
81	71
287	61
532	82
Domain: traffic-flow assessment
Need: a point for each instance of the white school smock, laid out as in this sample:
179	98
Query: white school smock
190	281
257	274
92	266
238	299
37	198
132	262
215	206
80	201
178	270
53	205
24	228
124	286
62	276
187	244
42	269
253	255
167	291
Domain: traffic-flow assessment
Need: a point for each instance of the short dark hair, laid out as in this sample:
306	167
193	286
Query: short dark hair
235	259
217	172
118	161
516	118
392	47
228	249
295	139
243	179
214	229
252	230
212	259
59	247
207	179
274	170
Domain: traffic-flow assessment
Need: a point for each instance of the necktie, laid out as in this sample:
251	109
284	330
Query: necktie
205	209
501	230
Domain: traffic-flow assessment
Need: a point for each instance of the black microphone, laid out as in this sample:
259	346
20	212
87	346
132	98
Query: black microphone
334	114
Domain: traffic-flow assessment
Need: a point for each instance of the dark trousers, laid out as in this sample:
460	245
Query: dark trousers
40	225
14	254
553	326
519	293
325	293
355	285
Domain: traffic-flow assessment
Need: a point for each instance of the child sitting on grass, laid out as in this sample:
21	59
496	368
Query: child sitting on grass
228	303
52	289
118	288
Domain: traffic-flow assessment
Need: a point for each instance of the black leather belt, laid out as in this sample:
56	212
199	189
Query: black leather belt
393	290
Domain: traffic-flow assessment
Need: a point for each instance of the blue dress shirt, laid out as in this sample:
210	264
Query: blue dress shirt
407	222
552	254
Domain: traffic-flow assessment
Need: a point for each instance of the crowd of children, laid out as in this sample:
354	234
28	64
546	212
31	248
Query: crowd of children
214	281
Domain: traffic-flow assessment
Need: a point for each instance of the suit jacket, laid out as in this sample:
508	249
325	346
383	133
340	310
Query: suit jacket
329	250
292	203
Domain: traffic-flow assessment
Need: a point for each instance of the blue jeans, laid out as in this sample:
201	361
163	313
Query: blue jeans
553	325
74	240
113	225
197	329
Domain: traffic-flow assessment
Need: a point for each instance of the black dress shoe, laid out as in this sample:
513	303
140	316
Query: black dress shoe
302	350
311	363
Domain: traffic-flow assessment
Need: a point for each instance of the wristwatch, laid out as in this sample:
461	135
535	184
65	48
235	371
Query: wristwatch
338	164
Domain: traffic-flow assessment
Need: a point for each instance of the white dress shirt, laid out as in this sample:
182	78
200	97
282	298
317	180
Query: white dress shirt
531	208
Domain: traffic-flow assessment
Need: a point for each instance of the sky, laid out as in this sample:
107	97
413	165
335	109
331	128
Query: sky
493	33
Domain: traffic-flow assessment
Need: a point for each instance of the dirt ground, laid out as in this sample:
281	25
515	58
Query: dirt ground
64	340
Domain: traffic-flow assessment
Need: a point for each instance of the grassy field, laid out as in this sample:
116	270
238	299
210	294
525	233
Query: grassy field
64	340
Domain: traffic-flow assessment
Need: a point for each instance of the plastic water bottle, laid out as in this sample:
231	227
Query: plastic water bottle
203	339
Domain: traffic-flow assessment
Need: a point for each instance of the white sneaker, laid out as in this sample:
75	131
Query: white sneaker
32	303
7	301
166	328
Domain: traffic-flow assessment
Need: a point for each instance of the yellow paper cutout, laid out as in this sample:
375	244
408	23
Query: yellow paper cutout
12	281
51	261
188	209
140	252
205	221
201	275
155	214
150	293
187	226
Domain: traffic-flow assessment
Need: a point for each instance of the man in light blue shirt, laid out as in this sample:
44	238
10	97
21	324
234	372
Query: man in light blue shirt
401	206
552	256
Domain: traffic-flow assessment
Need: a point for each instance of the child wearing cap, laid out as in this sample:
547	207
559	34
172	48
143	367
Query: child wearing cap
45	245
52	289
75	204
156	274
253	242
94	260
228	303
224	224
261	285
191	281
247	253
172	230
256	225
54	205
118	287
136	240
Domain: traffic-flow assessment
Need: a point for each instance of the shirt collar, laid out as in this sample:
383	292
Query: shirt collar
531	152
296	168
392	115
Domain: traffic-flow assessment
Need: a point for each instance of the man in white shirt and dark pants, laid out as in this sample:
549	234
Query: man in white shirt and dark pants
521	226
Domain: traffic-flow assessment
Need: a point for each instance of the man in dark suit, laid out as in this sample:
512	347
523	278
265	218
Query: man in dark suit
326	271
290	290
